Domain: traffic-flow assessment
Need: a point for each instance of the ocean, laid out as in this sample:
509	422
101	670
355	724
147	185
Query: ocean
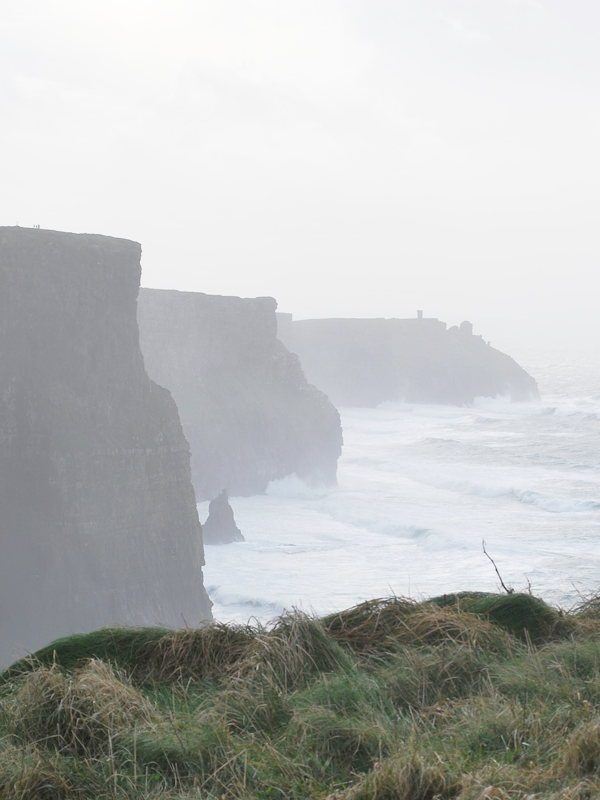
420	489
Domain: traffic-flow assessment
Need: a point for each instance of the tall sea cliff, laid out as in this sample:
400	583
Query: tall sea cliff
248	411
364	362
98	520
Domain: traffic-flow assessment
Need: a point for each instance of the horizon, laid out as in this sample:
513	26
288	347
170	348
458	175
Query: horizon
521	349
348	159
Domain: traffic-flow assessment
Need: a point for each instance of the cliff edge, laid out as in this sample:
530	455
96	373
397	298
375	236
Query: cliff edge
98	518
247	410
364	362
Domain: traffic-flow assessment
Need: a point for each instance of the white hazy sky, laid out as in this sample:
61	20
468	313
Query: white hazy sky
348	157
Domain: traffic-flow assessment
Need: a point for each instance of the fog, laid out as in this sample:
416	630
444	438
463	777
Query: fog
349	158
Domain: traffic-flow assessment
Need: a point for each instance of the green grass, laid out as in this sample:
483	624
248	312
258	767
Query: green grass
471	696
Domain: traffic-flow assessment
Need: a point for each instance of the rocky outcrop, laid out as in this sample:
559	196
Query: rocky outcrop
98	520
220	527
247	410
363	362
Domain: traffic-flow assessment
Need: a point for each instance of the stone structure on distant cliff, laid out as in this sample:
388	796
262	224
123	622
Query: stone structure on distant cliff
246	408
364	362
220	527
98	520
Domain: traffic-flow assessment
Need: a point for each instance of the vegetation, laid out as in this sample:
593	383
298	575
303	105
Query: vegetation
469	696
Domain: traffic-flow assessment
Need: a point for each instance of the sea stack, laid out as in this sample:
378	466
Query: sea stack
220	527
98	518
364	362
247	410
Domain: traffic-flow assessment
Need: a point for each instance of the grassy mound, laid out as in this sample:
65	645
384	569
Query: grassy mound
127	648
370	626
147	654
522	615
468	696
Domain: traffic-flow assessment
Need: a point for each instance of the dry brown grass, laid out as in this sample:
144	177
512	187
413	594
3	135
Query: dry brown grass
83	711
434	626
197	654
33	774
407	776
501	782
580	753
371	625
379	625
474	697
295	649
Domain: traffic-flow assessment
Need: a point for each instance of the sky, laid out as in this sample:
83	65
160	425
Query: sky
362	158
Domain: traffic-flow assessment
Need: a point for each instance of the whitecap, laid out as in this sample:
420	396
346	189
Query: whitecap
555	503
294	487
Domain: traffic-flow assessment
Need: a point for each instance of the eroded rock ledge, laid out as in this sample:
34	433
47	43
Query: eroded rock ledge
247	410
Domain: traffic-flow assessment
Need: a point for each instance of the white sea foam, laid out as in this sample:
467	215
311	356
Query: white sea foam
556	504
503	406
419	488
294	487
234	606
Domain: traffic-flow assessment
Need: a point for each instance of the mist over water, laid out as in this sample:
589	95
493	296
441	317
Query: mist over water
420	487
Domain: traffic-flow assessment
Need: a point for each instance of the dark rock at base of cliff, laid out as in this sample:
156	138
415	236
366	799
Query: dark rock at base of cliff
364	362
220	527
247	410
98	518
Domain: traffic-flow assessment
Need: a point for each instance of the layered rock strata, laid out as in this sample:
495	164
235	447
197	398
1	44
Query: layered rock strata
98	519
247	410
363	362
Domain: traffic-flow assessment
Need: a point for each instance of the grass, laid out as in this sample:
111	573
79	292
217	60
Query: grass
468	696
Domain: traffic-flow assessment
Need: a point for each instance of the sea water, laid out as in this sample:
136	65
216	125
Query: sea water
422	489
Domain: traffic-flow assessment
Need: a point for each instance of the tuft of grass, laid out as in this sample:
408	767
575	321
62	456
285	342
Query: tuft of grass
580	754
194	655
294	650
345	721
407	776
258	707
524	616
432	626
337	744
378	626
370	626
419	677
82	713
187	755
352	693
32	774
492	726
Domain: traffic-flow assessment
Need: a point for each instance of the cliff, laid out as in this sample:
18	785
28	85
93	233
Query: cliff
363	362
98	519
247	410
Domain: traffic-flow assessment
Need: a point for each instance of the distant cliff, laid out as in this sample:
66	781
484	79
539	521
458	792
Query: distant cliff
98	519
246	408
363	362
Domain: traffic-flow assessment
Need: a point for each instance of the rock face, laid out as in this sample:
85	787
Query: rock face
247	410
363	362
98	520
220	527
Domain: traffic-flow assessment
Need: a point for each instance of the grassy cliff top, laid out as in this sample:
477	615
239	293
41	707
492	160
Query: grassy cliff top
467	696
